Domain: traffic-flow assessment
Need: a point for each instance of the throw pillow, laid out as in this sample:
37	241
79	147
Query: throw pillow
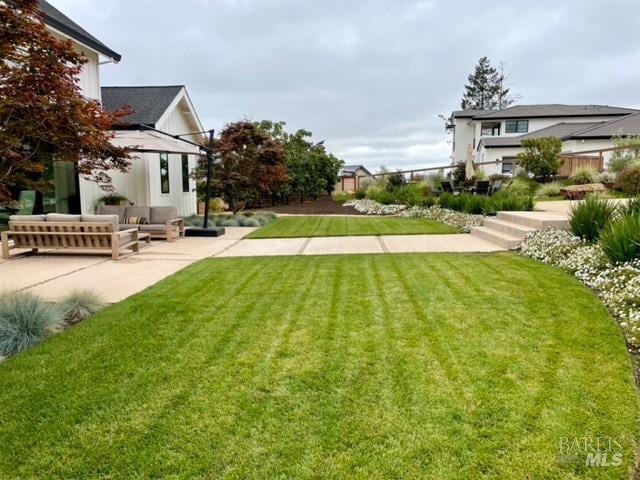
136	220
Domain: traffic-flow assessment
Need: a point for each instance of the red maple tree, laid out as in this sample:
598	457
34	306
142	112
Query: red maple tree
250	163
43	115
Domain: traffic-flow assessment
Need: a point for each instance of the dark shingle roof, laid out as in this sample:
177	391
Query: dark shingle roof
629	125
148	103
563	131
350	170
554	110
58	20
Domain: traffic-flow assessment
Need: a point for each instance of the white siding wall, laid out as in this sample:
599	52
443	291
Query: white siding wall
462	136
177	122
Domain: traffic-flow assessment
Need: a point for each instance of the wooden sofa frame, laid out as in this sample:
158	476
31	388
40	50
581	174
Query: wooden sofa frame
174	229
92	236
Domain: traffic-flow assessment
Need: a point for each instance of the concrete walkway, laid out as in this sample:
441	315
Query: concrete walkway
359	244
52	276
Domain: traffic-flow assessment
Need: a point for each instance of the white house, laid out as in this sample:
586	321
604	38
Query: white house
159	173
161	170
493	137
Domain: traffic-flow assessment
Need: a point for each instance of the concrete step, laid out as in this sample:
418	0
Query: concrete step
513	229
496	237
535	220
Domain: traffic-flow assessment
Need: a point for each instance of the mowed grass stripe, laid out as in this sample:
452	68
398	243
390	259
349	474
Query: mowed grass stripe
323	226
380	366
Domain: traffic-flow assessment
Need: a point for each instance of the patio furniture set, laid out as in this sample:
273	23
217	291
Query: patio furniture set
481	187
114	229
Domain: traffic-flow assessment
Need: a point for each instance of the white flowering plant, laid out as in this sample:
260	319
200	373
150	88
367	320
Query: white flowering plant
549	246
371	207
460	220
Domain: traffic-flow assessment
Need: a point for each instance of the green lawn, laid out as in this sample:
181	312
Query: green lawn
436	366
284	227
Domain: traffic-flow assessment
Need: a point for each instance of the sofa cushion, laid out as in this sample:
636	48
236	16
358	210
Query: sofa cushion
62	217
112	210
153	227
113	219
26	218
163	214
136	211
126	226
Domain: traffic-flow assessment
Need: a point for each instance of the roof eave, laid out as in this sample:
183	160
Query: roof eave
115	57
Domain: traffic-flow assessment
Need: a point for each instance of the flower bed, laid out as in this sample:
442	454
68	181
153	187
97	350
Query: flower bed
618	286
371	207
463	221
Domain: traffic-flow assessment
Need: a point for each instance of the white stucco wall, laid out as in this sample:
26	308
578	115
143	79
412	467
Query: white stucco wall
463	135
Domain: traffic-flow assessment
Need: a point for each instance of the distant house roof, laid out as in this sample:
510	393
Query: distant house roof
629	125
59	21
148	102
469	113
350	170
554	110
562	130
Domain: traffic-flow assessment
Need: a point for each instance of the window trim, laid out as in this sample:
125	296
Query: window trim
186	187
164	157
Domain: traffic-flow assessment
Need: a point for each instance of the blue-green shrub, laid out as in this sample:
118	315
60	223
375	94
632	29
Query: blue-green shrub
25	321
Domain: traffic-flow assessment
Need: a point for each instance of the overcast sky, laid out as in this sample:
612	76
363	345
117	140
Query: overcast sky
369	77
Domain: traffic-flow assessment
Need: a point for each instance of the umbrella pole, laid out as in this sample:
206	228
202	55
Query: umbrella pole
207	196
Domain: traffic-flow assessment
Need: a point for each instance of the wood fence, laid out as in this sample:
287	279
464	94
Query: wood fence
573	162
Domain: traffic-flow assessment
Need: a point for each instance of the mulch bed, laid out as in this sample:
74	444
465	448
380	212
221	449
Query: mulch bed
322	206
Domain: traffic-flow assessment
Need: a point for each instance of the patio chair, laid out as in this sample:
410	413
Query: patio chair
481	187
447	187
496	187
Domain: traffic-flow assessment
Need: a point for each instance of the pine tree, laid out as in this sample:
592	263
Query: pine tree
486	89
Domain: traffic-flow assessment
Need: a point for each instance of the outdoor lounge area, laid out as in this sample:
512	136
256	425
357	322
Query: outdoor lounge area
114	230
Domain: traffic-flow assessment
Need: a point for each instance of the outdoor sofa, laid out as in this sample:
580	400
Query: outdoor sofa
55	231
159	222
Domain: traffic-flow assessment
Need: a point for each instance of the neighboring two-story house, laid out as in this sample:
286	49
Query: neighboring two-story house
161	165
492	138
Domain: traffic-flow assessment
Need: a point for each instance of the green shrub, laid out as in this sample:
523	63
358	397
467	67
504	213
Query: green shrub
631	207
620	240
629	180
395	181
113	199
382	196
80	304
429	201
508	201
474	204
361	193
583	175
587	219
25	321
452	202
522	186
193	221
549	190
341	197
479	175
412	194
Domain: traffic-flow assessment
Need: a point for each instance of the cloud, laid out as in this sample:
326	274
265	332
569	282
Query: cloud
368	77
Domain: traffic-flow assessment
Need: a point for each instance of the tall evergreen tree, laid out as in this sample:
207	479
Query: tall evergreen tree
486	89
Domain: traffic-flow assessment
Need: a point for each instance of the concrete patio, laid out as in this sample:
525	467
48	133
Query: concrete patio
54	275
